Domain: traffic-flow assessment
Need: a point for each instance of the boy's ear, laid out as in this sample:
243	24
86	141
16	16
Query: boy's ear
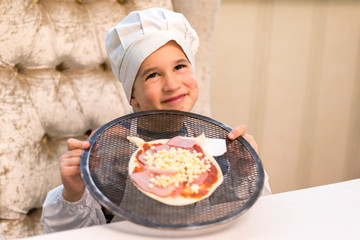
133	102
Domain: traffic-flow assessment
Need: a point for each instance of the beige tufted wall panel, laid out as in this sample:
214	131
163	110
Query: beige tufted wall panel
56	83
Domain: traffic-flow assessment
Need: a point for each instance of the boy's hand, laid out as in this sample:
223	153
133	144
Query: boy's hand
74	186
241	131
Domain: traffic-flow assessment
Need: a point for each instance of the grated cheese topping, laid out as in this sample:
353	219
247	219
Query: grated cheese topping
184	166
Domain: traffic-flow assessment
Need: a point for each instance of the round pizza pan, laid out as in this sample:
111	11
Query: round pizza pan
104	169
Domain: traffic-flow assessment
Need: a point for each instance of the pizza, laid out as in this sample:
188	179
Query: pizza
176	171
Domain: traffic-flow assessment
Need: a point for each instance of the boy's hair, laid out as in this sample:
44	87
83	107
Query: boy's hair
140	34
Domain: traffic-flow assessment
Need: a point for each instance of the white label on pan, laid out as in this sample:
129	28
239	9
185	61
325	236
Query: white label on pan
216	147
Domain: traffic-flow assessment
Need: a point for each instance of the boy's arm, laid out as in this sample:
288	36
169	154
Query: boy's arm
74	186
241	131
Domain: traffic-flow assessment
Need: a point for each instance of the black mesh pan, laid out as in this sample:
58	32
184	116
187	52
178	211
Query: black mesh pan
104	169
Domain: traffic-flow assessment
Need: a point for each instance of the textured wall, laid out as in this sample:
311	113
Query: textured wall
56	83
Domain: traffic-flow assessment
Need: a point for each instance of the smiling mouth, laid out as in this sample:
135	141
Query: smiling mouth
176	99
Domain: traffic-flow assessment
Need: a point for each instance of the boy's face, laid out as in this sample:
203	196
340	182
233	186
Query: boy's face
165	80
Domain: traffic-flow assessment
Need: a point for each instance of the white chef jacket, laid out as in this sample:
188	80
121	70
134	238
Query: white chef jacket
59	214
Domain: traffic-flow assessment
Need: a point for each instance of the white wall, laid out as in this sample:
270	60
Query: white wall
290	71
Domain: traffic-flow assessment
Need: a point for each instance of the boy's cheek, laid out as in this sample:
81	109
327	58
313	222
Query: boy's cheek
195	88
152	96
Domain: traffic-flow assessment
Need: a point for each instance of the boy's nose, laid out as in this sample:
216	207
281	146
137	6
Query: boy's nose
171	83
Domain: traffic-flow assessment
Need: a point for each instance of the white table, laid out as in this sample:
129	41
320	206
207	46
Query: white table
325	212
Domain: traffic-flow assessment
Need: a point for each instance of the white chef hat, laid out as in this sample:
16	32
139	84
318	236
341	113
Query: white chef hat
140	34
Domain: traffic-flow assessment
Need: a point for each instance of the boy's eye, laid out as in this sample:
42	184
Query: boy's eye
180	66
152	75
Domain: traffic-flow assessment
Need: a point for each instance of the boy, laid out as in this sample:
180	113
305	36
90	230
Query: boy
152	53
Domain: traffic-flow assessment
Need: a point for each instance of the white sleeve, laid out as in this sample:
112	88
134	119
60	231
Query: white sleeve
59	214
266	189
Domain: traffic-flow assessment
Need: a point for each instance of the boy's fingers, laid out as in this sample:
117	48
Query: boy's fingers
71	154
249	137
252	142
237	132
71	161
76	144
